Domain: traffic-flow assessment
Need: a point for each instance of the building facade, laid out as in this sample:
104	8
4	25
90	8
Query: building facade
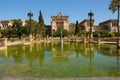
8	23
59	22
85	25
109	25
71	28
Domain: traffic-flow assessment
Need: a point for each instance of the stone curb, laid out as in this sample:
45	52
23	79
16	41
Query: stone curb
102	78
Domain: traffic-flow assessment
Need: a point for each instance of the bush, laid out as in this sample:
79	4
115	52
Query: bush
58	33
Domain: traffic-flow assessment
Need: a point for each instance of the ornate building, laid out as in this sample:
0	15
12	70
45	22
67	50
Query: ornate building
110	25
85	25
59	22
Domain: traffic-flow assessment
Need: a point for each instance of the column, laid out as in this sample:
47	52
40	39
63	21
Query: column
84	39
98	38
5	42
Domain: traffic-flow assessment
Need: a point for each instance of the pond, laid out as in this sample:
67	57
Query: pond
52	60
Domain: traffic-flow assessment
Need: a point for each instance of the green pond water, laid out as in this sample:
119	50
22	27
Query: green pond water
70	60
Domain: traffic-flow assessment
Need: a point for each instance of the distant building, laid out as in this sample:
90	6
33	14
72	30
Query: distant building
8	23
0	25
96	28
110	25
59	22
71	28
23	22
85	25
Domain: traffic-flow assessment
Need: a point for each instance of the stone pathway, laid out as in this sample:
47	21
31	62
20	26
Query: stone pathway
101	78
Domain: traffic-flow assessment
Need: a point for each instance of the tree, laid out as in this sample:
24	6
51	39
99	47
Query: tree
104	33
58	33
77	30
17	28
0	35
72	24
7	32
95	33
111	34
115	4
41	24
34	25
82	32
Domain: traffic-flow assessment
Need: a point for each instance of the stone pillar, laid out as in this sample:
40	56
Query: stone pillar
119	44
5	42
47	37
88	38
84	39
51	39
68	39
36	40
23	41
72	37
119	52
98	39
31	38
76	38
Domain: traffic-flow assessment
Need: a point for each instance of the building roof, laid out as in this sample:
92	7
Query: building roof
108	21
59	15
85	20
4	21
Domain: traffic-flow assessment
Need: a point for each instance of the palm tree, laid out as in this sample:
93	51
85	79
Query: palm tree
115	6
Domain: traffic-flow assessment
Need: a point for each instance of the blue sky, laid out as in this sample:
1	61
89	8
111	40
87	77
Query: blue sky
75	9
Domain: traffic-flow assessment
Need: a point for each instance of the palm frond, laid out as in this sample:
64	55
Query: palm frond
114	4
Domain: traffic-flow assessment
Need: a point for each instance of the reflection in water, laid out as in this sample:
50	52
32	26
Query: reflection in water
118	54
82	59
116	70
91	55
99	48
77	49
37	47
41	56
5	53
31	46
23	48
61	46
85	49
59	55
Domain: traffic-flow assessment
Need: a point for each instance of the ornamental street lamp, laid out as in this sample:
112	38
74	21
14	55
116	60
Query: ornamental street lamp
90	14
118	42
30	14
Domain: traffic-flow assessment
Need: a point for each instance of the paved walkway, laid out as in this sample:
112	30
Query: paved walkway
101	78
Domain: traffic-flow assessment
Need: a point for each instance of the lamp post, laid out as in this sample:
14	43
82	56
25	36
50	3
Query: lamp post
90	14
30	14
118	42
